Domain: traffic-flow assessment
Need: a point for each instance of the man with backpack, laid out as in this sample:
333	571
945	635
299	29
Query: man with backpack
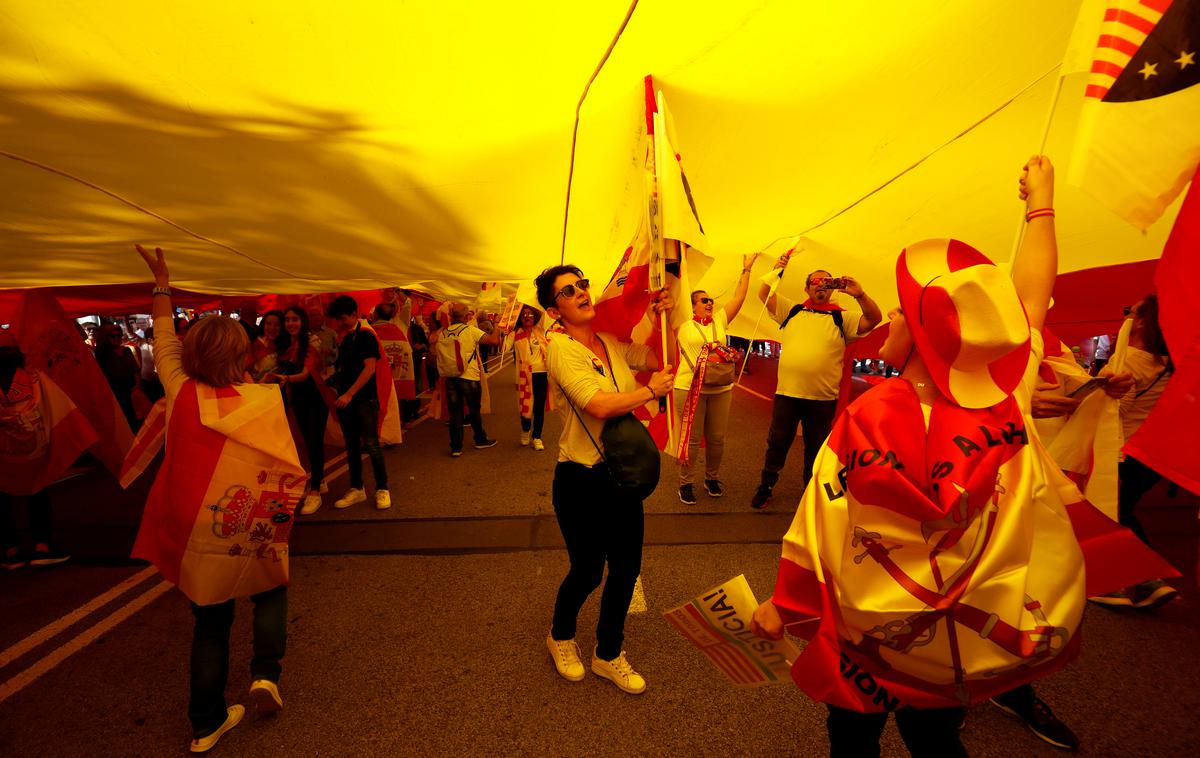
813	335
459	363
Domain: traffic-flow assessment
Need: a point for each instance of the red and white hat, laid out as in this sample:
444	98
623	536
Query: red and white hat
966	319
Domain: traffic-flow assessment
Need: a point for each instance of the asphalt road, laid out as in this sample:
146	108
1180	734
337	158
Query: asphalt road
419	630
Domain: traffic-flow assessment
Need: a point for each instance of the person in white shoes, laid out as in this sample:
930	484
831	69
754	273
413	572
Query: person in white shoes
358	402
529	344
592	382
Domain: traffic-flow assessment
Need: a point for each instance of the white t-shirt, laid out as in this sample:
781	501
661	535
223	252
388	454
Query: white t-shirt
1149	382
576	376
693	336
530	349
810	366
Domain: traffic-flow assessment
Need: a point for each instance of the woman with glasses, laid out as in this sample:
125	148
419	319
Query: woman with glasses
593	381
529	344
704	384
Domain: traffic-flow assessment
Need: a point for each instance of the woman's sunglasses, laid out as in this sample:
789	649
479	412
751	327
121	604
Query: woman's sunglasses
570	290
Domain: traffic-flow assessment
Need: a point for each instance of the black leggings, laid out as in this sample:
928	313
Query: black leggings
927	733
597	526
312	415
1136	480
41	520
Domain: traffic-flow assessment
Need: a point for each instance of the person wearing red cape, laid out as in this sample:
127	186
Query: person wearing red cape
937	556
218	519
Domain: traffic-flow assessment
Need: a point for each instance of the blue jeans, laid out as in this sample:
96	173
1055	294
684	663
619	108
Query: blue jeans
360	427
210	654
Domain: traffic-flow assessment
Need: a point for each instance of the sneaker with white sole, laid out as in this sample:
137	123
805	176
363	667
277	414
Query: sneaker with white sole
265	695
233	714
312	504
537	445
383	500
1152	594
566	658
525	438
1117	599
352	496
619	672
485	444
49	557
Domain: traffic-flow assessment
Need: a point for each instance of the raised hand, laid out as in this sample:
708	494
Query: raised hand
157	263
1037	183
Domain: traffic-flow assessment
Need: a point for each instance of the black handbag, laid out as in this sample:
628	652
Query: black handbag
628	451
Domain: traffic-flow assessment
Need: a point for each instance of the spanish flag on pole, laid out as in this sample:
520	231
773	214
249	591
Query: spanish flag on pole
1137	143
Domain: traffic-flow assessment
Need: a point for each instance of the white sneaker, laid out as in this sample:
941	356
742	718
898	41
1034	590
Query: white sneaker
265	695
383	500
619	672
351	497
566	658
233	714
312	504
537	445
525	437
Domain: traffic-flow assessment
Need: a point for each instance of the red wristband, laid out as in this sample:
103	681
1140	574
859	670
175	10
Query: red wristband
1031	215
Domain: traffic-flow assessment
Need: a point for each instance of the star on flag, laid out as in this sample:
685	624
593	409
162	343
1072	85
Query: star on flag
1149	70
1185	59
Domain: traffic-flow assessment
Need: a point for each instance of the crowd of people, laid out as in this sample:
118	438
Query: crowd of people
967	342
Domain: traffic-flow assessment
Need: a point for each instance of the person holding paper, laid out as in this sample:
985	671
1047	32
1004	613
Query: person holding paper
529	344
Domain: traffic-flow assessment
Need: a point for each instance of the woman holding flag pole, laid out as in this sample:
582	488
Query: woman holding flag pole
704	384
219	516
593	382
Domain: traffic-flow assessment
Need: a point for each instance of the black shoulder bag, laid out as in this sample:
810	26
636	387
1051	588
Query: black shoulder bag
628	449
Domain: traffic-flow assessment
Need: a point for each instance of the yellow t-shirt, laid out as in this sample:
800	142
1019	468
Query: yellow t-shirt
810	366
576	376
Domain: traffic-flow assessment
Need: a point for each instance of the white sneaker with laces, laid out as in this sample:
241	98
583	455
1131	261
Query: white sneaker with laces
566	658
383	500
265	695
537	445
525	438
312	504
619	672
351	497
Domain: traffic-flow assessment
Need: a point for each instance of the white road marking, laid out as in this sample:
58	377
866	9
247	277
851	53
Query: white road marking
52	630
85	638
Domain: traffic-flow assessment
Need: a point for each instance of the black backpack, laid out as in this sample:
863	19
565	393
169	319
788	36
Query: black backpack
837	317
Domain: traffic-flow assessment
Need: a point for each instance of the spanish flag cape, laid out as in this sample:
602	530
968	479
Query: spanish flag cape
389	404
529	345
218	518
41	433
393	339
936	569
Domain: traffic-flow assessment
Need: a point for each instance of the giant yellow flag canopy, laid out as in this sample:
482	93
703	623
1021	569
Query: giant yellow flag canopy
288	147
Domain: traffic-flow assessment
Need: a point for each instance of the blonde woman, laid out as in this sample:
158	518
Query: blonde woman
218	518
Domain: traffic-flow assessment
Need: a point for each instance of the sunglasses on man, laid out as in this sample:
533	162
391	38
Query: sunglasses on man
706	301
571	289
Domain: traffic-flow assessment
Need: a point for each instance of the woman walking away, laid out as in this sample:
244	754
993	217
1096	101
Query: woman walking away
299	371
218	518
529	343
704	384
599	523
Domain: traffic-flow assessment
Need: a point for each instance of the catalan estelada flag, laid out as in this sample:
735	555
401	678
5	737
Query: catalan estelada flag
41	433
219	516
1137	143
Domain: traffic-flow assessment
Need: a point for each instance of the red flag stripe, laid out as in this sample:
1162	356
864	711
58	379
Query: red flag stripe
743	665
1096	91
1119	44
1158	6
1106	68
1132	20
720	656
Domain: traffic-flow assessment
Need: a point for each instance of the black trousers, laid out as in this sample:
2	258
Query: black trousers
1136	480
312	415
598	526
931	733
360	426
210	654
541	384
458	391
41	520
815	418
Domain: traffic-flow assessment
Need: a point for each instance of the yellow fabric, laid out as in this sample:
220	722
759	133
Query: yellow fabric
300	148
